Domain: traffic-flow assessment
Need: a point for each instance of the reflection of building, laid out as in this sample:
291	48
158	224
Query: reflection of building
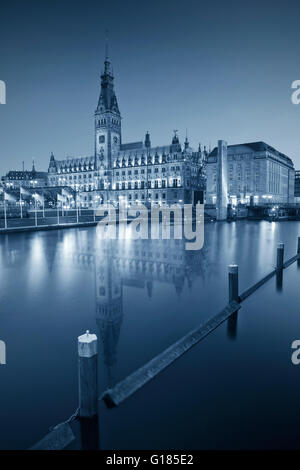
109	310
149	261
131	172
253	169
111	266
297	186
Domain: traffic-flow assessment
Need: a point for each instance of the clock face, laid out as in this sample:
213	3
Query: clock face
115	140
101	139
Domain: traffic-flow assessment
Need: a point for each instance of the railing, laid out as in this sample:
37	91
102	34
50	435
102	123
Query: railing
52	218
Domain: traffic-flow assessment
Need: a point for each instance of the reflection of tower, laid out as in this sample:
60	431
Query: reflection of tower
149	286
109	310
178	283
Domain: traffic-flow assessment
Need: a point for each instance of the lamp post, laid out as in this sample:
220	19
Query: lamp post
21	203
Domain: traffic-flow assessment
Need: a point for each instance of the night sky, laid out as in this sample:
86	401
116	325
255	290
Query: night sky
223	70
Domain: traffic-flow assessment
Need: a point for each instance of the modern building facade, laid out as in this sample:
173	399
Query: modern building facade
255	171
133	172
297	186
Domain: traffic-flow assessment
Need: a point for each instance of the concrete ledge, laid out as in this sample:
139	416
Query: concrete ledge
128	386
47	227
256	286
290	261
59	438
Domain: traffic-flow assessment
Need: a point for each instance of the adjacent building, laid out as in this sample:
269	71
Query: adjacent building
255	171
133	172
297	186
27	179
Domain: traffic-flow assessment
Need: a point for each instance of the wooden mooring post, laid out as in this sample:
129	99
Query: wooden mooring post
280	255
233	282
298	247
88	380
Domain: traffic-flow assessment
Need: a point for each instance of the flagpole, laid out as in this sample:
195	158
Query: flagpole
94	211
21	203
57	208
77	210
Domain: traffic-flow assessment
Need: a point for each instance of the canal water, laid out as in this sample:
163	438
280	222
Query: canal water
236	389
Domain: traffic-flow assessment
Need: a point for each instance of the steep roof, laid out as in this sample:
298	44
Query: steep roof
26	174
107	99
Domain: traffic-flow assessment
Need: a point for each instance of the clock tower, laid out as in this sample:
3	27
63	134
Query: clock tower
107	126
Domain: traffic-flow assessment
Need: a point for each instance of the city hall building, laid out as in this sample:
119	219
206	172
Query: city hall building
131	173
253	170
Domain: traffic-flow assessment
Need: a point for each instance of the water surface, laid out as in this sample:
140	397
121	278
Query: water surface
236	389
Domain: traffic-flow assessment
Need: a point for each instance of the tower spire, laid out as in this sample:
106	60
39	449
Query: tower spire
106	44
186	142
107	65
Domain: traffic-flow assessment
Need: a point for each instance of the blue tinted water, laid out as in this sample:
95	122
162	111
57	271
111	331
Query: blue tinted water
236	389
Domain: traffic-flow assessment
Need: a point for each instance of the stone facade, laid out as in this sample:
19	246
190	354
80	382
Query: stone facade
134	172
297	186
253	169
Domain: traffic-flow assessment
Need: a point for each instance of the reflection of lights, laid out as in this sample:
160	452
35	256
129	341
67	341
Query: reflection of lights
37	262
233	200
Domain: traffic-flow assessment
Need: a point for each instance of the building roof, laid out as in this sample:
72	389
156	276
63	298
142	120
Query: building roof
24	175
255	147
132	145
107	99
70	161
